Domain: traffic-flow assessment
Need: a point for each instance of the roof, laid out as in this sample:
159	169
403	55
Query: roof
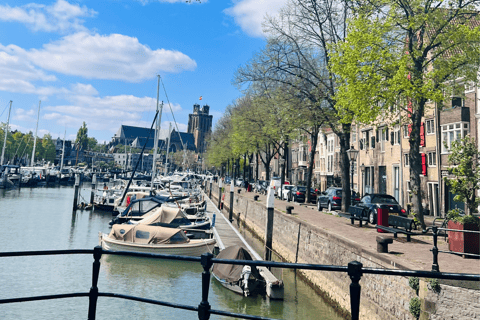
130	132
187	138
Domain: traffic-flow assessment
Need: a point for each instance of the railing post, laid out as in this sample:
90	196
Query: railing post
435	267
210	189
220	185
204	306
230	212
93	295
355	273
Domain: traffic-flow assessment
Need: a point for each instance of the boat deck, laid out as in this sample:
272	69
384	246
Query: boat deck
227	235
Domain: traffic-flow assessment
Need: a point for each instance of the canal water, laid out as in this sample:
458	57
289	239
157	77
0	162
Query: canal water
42	219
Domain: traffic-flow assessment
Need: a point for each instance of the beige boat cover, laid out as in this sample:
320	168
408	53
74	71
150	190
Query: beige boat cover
144	234
163	214
232	272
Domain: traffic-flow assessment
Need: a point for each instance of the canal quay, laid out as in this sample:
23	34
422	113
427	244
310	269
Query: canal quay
309	236
42	219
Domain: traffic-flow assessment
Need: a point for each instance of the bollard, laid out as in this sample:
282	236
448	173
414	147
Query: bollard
435	267
220	185
93	294
204	307
355	273
75	195
230	214
255	197
210	189
94	182
269	227
289	209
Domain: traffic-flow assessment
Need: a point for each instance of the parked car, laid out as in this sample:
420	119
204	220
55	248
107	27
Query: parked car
373	201
313	196
239	182
298	194
287	191
332	199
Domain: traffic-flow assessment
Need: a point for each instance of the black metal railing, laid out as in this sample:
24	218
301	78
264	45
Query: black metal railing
355	271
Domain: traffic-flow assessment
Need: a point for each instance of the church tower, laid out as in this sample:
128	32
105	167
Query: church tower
200	125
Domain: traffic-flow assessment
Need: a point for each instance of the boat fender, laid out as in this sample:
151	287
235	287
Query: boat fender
213	220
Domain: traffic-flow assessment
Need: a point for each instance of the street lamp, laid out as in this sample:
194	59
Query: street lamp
282	173
352	156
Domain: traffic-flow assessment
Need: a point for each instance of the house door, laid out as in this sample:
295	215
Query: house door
368	180
382	176
433	199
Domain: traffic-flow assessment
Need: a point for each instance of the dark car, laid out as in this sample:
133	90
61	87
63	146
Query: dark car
298	193
332	199
373	201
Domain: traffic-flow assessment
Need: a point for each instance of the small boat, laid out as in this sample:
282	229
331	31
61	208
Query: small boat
242	279
152	239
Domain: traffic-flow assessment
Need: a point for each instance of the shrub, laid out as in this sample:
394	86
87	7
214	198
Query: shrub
414	307
414	283
434	285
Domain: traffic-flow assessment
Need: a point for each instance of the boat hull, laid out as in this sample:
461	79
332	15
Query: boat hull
194	248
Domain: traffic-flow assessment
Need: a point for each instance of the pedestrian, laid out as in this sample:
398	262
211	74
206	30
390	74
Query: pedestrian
105	186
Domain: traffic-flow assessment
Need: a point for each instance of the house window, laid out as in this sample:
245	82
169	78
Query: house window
382	132
354	164
469	87
396	135
406	161
453	132
430	126
406	132
432	159
330	163
366	139
354	134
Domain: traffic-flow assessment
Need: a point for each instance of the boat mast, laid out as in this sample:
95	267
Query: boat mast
35	139
168	147
6	133
63	149
157	132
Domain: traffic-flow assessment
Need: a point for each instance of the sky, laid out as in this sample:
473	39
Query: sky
98	61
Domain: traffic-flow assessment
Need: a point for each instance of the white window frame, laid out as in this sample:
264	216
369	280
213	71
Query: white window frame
382	133
432	126
354	134
396	133
406	160
432	159
406	135
452	132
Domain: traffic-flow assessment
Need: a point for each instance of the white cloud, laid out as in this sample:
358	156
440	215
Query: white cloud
250	14
59	17
115	57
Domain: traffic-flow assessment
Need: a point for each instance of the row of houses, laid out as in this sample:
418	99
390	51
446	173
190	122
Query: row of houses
382	165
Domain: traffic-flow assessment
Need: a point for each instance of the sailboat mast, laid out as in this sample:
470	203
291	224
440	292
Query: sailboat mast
63	149
155	138
35	140
6	133
168	146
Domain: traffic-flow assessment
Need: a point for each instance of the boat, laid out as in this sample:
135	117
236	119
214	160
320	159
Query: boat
10	176
242	279
154	239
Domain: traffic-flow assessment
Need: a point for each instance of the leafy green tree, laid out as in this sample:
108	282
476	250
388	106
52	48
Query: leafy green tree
92	143
82	139
464	161
399	55
48	148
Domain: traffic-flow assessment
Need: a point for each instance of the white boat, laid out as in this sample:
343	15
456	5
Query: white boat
152	239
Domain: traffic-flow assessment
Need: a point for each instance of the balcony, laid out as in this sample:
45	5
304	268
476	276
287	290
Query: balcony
302	163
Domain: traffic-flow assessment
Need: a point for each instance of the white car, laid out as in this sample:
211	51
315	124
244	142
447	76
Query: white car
286	191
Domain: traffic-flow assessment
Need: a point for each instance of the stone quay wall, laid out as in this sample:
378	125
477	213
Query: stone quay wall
382	297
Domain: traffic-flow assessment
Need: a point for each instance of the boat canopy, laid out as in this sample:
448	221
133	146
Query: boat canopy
232	272
163	214
144	234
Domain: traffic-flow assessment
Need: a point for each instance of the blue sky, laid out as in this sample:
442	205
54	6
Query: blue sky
98	61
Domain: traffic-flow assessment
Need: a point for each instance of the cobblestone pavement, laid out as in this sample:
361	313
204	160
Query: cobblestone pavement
414	255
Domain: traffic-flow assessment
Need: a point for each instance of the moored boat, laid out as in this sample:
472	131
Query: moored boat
241	279
153	239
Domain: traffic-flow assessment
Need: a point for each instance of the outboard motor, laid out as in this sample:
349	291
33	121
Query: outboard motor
246	272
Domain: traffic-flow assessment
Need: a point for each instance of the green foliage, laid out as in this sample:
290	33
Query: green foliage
434	285
464	161
82	137
457	216
414	283
92	143
415	307
48	148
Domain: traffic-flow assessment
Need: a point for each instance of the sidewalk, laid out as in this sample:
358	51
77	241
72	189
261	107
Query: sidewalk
414	255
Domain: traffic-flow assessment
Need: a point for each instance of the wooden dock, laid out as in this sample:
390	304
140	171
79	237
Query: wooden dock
227	235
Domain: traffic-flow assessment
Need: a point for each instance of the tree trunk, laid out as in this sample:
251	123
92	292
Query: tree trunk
345	166
416	165
311	161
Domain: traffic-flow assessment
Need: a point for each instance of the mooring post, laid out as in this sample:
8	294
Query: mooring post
355	273
269	227
435	267
94	182
93	294
75	196
220	185
230	215
204	306
210	189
